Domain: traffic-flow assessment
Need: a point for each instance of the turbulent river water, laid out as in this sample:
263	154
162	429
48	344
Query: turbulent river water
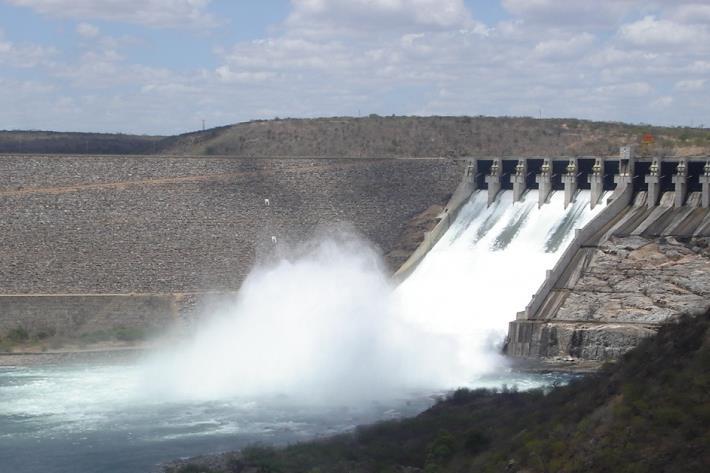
314	344
87	417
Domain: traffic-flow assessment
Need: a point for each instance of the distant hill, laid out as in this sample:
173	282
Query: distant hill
51	142
376	136
432	136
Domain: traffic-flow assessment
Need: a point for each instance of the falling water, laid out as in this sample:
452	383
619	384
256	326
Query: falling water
487	266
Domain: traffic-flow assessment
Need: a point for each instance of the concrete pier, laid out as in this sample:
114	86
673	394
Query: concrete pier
470	175
627	169
569	179
680	179
596	181
519	180
544	181
596	171
493	179
705	181
653	180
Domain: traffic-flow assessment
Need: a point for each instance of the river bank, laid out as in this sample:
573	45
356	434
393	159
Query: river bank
647	412
104	352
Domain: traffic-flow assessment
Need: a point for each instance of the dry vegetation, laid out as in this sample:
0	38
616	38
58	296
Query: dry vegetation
50	142
376	136
433	136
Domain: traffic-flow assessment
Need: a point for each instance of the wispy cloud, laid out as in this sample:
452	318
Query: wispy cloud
24	55
614	60
153	13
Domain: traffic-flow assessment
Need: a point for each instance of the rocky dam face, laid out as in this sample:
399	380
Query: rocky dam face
99	243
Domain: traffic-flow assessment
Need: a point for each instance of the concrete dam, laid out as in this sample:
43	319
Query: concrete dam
625	246
95	244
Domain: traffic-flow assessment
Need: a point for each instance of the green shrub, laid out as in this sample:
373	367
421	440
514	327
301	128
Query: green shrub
121	334
18	334
95	337
263	457
193	468
441	449
475	442
45	333
129	334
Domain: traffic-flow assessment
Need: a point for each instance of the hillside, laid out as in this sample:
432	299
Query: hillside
376	136
50	142
432	136
648	413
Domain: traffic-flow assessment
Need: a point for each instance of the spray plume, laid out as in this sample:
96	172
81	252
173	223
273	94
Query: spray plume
328	326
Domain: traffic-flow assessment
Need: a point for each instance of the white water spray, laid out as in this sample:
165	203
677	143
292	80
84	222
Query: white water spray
329	326
318	328
487	267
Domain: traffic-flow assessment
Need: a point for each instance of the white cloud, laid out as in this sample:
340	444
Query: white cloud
651	31
699	67
690	85
225	74
694	13
155	13
289	53
333	57
662	102
171	89
564	48
570	12
633	89
87	30
24	55
337	16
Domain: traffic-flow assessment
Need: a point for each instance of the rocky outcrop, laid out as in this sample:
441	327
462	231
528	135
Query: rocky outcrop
618	293
641	280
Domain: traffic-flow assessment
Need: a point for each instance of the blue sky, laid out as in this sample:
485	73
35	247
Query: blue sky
161	66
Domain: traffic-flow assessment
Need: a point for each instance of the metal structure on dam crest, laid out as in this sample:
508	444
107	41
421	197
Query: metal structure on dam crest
681	175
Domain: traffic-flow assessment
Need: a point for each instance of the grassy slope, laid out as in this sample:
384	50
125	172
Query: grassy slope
432	136
376	136
648	413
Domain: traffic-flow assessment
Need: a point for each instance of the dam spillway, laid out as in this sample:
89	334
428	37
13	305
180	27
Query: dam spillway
598	297
488	263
